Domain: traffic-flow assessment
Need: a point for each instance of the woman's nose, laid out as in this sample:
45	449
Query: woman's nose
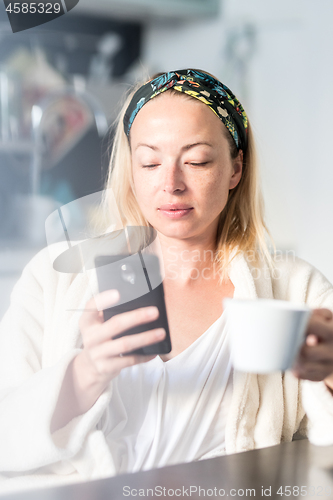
173	178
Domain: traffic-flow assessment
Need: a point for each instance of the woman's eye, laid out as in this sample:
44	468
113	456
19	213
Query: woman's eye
199	164
152	165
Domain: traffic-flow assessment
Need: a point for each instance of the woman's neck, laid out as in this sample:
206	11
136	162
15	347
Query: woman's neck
188	262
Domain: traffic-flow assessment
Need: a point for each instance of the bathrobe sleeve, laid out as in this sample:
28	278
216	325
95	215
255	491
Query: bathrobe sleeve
29	390
317	400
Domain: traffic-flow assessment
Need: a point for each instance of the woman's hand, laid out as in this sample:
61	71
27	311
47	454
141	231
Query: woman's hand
103	354
102	357
315	360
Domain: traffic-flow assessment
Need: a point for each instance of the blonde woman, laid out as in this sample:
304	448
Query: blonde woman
73	405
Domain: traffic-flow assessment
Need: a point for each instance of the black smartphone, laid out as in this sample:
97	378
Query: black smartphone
137	278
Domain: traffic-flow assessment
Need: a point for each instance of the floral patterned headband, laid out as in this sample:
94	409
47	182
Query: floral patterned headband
199	85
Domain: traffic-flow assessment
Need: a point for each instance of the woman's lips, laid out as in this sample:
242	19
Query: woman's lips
175	213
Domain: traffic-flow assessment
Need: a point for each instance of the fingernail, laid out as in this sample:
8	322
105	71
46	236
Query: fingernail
152	312
160	333
311	340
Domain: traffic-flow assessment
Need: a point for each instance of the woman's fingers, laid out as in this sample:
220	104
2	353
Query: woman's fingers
102	348
319	353
106	356
312	371
315	359
113	366
320	326
124	321
129	343
93	311
323	313
314	362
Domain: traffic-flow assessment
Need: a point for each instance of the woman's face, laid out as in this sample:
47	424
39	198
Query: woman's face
181	160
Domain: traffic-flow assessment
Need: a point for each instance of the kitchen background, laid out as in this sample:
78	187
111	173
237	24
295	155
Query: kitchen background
62	84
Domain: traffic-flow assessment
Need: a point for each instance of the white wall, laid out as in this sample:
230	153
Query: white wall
287	89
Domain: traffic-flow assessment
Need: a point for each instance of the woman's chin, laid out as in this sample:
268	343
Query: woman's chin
177	233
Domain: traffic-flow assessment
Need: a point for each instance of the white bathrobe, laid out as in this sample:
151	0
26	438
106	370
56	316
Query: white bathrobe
39	336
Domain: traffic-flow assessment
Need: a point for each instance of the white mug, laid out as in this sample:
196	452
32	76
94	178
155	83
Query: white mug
265	334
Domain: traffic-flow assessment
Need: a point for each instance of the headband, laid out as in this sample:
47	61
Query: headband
199	85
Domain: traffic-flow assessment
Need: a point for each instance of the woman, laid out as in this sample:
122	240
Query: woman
183	162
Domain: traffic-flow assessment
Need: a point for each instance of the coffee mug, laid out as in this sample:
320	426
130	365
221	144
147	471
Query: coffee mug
265	334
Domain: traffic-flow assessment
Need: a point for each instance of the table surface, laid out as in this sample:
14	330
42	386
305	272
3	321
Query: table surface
275	472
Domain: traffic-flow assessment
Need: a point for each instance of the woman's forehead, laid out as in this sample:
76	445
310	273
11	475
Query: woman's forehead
182	112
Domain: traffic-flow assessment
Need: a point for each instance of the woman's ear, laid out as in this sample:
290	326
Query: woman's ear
237	170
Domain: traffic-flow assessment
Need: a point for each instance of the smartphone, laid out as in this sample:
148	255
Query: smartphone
138	280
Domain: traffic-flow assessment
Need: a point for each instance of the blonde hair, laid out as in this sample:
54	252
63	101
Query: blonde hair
241	227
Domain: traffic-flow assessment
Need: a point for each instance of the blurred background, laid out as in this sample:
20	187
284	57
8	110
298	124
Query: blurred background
62	85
